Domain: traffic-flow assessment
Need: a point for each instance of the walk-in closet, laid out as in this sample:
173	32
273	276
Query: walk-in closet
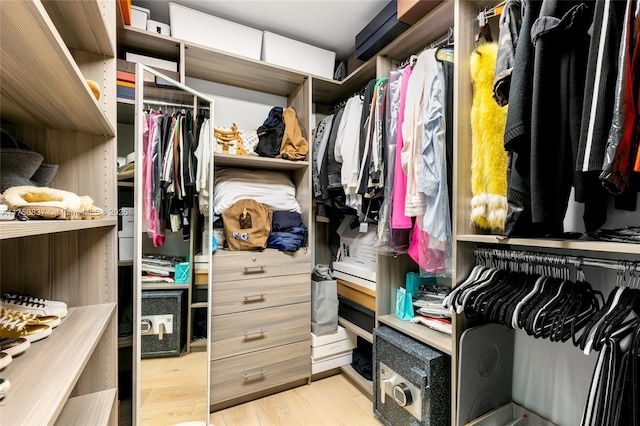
368	212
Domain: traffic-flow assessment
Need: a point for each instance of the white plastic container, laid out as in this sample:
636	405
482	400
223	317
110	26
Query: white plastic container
125	245
127	217
210	31
139	17
294	54
158	27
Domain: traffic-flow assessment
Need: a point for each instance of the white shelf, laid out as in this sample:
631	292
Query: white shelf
42	85
43	377
18	229
586	245
91	409
89	32
440	341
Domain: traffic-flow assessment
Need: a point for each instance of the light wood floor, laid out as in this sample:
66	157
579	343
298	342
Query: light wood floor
171	392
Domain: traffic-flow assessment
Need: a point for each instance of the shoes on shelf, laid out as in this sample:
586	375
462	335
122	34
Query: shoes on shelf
5	359
16	328
5	386
34	307
51	320
29	298
14	346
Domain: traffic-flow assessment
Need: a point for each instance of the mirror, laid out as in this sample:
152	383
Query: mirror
171	307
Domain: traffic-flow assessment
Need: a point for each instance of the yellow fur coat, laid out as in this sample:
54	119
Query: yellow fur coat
489	159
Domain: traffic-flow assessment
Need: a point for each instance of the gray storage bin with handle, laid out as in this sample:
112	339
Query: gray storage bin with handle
324	301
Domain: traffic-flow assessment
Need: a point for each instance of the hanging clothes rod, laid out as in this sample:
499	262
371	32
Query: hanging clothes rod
444	40
171	104
555	260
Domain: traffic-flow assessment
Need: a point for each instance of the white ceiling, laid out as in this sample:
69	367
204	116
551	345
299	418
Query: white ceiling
330	24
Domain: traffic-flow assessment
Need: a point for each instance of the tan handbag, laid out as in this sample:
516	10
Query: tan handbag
229	141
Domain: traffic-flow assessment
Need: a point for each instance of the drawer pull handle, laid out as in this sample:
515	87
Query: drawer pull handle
255	373
259	331
254	269
254	297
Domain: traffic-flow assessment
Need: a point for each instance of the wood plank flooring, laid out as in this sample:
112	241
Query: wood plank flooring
172	392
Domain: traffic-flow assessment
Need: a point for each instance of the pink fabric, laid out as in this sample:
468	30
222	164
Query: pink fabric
398	218
430	260
151	213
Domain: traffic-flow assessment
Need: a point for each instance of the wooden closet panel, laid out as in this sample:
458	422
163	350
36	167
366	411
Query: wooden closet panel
24	265
96	377
246	265
240	333
466	16
248	295
231	378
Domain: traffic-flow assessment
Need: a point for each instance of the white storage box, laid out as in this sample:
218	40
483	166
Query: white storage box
318	353
126	218
139	17
331	362
357	248
211	31
125	245
333	344
325	339
158	27
355	274
294	54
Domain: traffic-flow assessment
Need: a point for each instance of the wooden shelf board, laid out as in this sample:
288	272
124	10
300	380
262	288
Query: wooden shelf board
33	91
252	162
329	92
147	42
586	245
199	343
18	229
125	262
91	409
441	341
125	184
357	330
352	374
165	286
226	68
89	31
199	305
412	41
46	373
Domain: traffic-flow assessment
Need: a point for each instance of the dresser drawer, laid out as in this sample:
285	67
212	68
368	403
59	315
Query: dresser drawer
248	265
259	293
237	334
245	374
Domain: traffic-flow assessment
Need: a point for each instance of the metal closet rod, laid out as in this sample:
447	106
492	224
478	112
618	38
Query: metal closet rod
161	103
557	260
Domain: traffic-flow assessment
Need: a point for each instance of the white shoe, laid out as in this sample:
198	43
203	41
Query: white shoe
14	346
29	298
36	308
5	386
5	359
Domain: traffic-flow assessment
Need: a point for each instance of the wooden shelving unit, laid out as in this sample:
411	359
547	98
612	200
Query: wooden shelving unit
66	351
48	52
18	229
